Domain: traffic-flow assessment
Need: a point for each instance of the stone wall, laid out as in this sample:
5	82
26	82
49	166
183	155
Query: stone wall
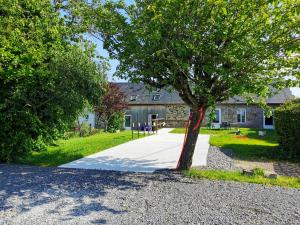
254	115
177	115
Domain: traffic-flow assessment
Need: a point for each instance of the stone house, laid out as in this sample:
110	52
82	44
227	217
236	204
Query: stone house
144	106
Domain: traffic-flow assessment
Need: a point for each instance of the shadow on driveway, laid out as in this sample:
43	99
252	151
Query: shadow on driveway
82	190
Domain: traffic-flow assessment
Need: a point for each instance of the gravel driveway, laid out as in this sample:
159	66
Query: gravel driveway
34	195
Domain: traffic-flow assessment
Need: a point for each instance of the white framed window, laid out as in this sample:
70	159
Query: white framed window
156	97
218	116
133	98
241	115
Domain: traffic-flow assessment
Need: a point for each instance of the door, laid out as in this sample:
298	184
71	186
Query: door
152	117
128	122
268	122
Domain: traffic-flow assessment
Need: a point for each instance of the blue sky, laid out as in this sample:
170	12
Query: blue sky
113	63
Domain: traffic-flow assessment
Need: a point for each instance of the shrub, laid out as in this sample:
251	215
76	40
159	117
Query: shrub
258	172
94	131
287	123
85	130
115	122
46	76
81	130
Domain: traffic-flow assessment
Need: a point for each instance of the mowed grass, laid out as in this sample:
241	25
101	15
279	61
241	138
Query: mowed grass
75	148
282	181
246	146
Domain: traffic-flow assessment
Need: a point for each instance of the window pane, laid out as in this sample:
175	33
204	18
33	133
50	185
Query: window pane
241	115
127	121
269	121
156	97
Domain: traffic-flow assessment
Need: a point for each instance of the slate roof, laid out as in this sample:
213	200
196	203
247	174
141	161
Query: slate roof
145	97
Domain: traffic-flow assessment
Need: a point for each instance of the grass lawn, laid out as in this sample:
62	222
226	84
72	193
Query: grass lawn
247	146
75	148
238	176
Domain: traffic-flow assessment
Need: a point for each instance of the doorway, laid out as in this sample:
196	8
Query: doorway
152	117
268	122
128	122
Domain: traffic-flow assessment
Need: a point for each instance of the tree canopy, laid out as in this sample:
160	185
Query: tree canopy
47	75
207	50
210	49
112	104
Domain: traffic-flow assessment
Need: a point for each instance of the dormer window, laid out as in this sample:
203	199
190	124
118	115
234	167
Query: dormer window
133	98
156	97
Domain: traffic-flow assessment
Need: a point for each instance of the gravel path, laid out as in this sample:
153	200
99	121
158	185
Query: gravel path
34	195
219	159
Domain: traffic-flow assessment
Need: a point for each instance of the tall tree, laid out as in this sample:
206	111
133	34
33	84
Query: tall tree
45	79
207	50
111	104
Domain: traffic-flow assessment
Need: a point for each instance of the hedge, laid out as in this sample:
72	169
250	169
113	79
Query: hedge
287	125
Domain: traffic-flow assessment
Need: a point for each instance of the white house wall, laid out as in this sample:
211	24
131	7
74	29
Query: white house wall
89	118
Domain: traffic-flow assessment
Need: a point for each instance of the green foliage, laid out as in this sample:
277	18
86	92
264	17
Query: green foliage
287	125
45	80
206	50
111	108
116	122
283	181
258	172
84	130
211	116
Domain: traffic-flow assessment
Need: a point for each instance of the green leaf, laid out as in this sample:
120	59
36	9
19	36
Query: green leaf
224	11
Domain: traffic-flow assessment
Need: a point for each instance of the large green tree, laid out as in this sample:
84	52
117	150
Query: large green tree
207	50
47	75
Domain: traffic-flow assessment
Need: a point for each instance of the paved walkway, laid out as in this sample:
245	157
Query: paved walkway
160	151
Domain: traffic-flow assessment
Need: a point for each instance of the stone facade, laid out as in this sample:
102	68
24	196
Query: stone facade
177	115
254	115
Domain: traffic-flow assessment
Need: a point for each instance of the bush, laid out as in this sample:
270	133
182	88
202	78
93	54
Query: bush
46	79
85	130
258	172
94	131
115	122
287	123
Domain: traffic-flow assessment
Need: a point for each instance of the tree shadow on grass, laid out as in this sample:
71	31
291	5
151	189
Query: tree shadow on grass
270	136
253	152
49	158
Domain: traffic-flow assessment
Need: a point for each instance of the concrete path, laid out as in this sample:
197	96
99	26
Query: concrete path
159	151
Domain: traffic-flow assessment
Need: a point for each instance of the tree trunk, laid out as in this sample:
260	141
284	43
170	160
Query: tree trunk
186	157
106	126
